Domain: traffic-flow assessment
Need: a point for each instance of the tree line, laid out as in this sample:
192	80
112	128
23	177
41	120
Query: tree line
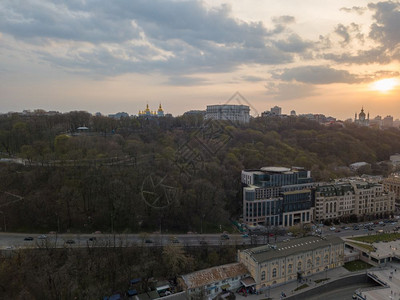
161	174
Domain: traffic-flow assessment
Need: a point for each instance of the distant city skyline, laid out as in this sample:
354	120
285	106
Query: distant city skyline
320	57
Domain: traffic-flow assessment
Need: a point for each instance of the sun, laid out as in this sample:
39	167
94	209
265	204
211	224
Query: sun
385	85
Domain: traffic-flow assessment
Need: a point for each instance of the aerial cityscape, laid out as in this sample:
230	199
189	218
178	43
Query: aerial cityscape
187	149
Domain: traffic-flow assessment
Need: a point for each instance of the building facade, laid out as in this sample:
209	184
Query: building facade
207	283
392	184
362	119
276	196
353	198
272	265
229	112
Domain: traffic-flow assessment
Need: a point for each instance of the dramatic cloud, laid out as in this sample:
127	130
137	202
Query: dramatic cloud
284	20
294	44
384	33
386	28
143	36
290	91
356	9
251	78
317	75
186	81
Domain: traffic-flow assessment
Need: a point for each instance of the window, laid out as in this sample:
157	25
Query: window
274	272
326	259
309	264
299	266
263	275
290	268
318	260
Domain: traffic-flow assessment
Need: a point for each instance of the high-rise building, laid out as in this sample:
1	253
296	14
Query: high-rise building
293	113
229	112
277	196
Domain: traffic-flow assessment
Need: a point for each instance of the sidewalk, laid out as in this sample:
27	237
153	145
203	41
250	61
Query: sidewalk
288	288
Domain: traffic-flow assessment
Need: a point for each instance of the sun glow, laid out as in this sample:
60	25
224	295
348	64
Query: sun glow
385	85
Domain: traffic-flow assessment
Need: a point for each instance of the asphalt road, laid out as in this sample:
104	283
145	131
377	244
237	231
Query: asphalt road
16	240
342	293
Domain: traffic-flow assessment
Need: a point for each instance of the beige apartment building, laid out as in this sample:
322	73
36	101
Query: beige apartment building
352	198
272	265
392	184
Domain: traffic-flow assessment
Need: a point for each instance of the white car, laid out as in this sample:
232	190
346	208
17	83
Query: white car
332	228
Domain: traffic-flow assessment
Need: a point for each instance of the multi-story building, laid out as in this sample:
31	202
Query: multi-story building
234	113
276	110
351	198
276	196
272	265
392	184
387	122
333	201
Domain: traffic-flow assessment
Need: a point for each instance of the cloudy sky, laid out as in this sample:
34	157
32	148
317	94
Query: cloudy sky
312	56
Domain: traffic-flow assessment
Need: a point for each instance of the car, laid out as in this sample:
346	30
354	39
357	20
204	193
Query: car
148	241
332	228
290	233
370	229
42	237
92	239
28	238
271	234
347	228
245	235
70	242
203	242
356	228
224	237
175	241
337	230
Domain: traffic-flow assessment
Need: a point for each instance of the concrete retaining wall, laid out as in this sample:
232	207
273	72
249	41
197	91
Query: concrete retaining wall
348	280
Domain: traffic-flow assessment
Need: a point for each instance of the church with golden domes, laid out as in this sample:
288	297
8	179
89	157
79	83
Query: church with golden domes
149	113
362	120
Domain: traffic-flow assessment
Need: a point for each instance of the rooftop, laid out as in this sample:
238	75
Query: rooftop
214	274
283	249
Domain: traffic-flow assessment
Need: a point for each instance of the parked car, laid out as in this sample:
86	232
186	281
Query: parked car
202	242
92	239
148	241
245	235
332	228
70	242
28	238
42	237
